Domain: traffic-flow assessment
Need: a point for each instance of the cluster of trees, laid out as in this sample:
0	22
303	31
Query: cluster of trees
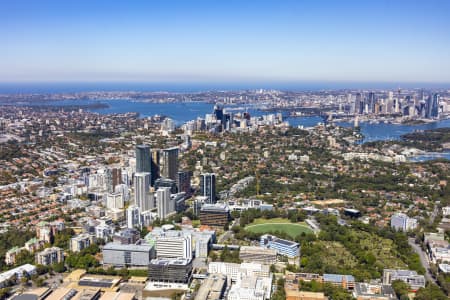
9	150
123	272
429	140
279	293
368	265
330	290
431	291
226	255
84	259
13	237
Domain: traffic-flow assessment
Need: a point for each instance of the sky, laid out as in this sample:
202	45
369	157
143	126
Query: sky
224	41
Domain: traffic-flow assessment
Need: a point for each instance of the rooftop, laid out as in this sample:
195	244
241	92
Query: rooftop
338	278
128	247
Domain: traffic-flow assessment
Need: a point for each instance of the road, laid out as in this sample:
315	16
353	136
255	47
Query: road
227	234
423	259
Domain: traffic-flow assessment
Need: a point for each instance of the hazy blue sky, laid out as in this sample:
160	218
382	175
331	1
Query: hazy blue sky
207	41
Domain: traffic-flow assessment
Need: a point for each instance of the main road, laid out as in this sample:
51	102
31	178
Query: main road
423	259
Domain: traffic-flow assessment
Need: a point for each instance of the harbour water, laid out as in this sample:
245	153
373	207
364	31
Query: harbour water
182	112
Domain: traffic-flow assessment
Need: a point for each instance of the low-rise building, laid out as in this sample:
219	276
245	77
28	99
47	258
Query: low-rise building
402	222
126	236
258	255
237	271
214	214
251	288
170	271
344	281
80	242
18	272
302	295
283	247
366	291
50	256
212	287
127	255
11	254
414	280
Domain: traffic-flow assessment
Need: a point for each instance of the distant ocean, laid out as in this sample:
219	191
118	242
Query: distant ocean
75	87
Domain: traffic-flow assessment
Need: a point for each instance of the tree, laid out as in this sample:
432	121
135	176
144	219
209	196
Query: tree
59	267
431	291
400	287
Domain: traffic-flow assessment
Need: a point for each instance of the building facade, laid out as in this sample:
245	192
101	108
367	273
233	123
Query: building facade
283	247
127	255
50	256
214	215
208	187
142	191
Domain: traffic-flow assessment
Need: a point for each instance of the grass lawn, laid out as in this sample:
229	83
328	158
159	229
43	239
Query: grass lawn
265	221
291	229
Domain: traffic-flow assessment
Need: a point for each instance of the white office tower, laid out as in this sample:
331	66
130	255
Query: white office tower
146	218
114	201
124	190
174	246
142	191
164	202
133	217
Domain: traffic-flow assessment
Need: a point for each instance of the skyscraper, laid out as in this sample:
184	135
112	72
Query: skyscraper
163	202
113	177
371	100
184	181
155	166
435	106
169	168
143	159
208	186
133	216
142	191
359	104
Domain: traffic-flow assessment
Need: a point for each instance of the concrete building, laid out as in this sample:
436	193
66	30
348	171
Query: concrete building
283	247
212	288
169	163
402	222
214	215
114	201
208	187
173	271
166	182
104	231
11	254
184	181
126	236
127	255
50	256
134	217
367	291
16	272
171	247
257	255
415	280
235	272
251	288
345	281
302	295
143	159
142	197
80	242
164	204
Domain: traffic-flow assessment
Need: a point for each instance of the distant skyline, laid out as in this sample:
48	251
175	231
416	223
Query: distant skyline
225	41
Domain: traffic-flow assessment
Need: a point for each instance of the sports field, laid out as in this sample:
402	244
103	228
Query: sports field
291	229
